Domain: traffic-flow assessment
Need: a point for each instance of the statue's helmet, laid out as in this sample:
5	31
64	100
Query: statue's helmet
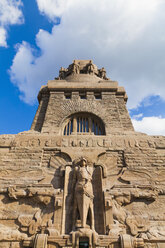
83	159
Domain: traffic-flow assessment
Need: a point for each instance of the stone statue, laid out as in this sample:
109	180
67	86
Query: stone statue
75	68
83	194
102	73
90	67
62	73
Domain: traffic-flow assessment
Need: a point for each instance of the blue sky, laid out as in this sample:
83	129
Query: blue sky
127	37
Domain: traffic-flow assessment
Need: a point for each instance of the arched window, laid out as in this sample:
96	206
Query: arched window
84	123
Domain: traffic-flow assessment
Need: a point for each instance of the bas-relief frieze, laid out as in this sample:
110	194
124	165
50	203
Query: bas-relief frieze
111	142
116	202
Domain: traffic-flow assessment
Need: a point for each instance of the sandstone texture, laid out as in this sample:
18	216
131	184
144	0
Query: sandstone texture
82	177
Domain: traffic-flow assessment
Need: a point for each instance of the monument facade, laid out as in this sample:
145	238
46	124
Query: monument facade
82	177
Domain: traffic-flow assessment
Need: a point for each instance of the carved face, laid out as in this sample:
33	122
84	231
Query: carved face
83	163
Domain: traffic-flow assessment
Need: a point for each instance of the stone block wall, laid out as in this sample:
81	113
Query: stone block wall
55	108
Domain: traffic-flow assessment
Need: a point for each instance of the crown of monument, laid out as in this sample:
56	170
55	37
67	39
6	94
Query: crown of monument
79	67
82	92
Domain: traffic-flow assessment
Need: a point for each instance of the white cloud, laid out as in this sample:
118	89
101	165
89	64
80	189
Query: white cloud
53	8
136	117
10	14
3	37
116	34
150	125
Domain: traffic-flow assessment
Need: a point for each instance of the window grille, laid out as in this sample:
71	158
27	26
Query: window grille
84	123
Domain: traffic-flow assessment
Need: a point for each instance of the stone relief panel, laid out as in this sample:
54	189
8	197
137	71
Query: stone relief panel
35	206
53	164
113	165
130	196
39	196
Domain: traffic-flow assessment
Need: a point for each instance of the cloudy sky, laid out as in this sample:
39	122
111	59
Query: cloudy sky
127	37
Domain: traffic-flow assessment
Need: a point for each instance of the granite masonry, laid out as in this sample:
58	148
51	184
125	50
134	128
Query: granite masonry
82	177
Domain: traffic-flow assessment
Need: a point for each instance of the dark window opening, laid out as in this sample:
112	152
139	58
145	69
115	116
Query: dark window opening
82	72
78	125
65	130
97	95
81	125
82	95
67	95
87	125
84	123
83	244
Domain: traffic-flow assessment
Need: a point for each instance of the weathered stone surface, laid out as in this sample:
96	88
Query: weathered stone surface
82	174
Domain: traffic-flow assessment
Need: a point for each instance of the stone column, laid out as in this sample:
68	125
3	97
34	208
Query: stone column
90	125
74	125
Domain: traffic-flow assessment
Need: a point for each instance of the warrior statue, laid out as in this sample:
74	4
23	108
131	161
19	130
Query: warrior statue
90	67
62	73
102	74
75	68
83	194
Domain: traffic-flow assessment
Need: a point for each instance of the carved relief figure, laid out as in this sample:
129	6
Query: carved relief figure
83	194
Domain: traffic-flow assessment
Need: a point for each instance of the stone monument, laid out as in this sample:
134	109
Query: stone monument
83	194
82	177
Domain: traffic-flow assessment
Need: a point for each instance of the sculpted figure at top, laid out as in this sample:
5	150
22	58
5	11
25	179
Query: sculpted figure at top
102	73
90	67
75	68
82	67
62	73
83	194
